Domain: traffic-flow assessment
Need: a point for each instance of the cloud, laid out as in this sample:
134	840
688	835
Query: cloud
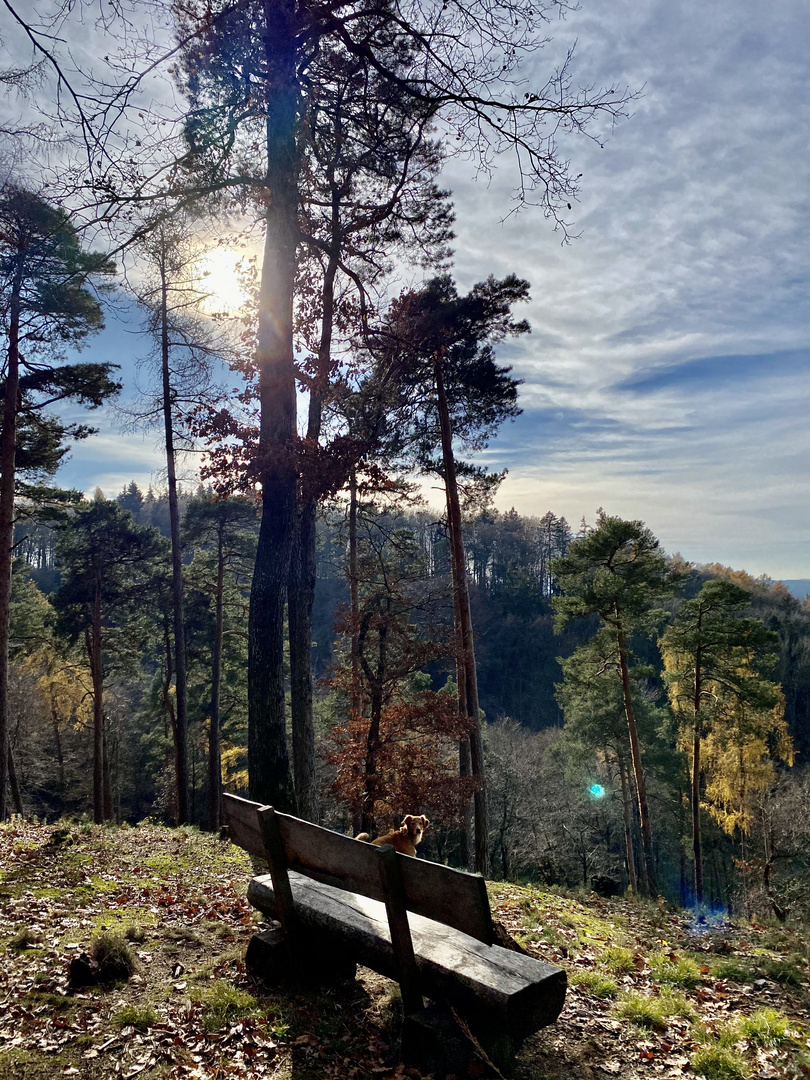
668	372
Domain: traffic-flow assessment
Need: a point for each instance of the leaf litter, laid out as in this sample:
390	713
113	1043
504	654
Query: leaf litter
701	993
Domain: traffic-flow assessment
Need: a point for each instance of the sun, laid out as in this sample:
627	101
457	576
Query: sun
218	272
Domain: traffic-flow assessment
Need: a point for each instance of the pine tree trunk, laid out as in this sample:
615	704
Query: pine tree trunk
180	682
627	817
8	453
268	758
638	769
356	703
93	645
214	748
697	838
459	575
376	682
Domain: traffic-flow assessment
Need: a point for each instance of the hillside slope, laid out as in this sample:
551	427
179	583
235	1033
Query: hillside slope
653	993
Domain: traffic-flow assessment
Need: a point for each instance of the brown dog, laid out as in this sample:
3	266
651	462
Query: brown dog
405	838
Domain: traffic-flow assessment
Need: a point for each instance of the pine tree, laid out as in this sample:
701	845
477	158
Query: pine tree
618	572
46	304
712	658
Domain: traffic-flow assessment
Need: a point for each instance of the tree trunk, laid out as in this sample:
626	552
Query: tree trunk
638	769
214	749
300	602
268	759
92	640
459	576
8	453
627	817
180	682
14	785
697	839
356	703
376	681
304	565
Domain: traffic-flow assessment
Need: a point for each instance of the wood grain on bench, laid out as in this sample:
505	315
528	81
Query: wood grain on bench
449	896
482	980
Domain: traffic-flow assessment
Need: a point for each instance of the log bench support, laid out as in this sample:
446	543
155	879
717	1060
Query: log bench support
340	902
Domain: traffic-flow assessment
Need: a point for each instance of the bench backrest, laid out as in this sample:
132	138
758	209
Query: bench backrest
448	896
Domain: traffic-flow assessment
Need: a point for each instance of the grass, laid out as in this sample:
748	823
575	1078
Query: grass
675	970
765	1027
25	938
223	1004
116	960
654	1013
783	970
141	1017
617	960
595	983
733	968
719	1063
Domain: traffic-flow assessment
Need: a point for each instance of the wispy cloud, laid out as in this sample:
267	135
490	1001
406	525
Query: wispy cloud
668	372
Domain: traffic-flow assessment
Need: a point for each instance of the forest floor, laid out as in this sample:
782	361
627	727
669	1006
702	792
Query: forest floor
653	992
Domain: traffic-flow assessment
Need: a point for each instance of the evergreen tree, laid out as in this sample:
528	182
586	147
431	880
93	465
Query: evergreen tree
618	572
712	658
108	566
45	304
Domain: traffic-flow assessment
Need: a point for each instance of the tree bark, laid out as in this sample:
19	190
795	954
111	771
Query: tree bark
8	453
638	769
214	748
461	590
180	682
304	566
268	758
627	817
697	837
14	785
92	640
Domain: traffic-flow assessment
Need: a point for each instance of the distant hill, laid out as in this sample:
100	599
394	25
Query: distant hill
800	587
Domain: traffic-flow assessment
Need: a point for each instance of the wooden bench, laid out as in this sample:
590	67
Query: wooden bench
341	901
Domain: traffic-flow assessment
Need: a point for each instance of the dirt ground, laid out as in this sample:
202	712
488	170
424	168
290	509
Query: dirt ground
653	992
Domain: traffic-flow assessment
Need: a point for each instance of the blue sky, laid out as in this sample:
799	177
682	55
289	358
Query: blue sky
667	374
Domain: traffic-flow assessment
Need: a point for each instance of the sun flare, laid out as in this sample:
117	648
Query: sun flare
219	278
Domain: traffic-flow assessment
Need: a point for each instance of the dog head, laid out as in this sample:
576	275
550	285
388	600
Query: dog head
416	826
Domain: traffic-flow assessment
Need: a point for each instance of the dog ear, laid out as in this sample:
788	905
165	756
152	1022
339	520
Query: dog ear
407	820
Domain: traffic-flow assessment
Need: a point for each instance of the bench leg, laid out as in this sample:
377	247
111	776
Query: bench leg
434	1040
268	959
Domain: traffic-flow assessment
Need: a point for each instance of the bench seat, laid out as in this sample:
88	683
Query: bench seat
485	982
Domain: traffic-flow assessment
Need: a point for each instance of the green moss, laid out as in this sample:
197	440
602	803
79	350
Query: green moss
719	1063
595	983
33	1065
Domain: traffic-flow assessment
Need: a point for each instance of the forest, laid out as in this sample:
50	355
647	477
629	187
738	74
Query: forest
569	705
561	783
